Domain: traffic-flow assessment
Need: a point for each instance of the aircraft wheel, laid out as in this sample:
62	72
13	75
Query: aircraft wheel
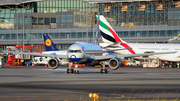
76	71
69	71
106	71
72	70
103	71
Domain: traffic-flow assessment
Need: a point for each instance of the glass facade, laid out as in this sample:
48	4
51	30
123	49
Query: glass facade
149	13
172	15
62	6
130	19
74	34
52	35
7	20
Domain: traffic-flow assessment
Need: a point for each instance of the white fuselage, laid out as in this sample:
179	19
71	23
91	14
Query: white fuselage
79	53
154	47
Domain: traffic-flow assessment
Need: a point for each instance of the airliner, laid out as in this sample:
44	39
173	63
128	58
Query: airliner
84	53
112	41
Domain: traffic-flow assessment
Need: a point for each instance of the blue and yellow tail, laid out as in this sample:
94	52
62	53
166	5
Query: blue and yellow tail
49	45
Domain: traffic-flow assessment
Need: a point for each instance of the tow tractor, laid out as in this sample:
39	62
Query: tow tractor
155	63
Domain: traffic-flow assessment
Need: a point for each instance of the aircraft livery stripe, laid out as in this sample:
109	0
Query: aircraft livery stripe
107	37
115	35
127	46
113	40
103	25
117	39
110	30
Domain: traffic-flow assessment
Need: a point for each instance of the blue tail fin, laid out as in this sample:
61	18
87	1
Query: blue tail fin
49	45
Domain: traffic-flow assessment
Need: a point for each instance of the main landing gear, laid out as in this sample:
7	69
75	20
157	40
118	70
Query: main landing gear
76	71
104	70
70	70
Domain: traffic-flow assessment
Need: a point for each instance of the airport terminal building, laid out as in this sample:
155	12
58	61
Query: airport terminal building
67	21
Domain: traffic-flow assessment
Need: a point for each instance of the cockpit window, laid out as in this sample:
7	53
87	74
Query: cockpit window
78	51
70	51
74	51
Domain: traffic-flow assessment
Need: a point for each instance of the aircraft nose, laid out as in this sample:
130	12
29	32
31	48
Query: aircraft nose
73	57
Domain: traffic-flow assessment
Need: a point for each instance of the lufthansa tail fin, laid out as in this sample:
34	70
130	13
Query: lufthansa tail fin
107	32
49	45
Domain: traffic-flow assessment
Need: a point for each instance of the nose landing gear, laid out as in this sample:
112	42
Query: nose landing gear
70	70
76	71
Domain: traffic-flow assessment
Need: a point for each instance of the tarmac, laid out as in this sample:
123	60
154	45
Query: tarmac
40	83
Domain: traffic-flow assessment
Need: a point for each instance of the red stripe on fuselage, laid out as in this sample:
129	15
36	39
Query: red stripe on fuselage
127	46
119	40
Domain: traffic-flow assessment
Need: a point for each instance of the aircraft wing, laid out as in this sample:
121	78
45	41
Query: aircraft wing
144	54
38	54
98	58
116	49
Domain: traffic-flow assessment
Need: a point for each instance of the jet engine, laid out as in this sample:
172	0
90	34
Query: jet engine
53	63
114	63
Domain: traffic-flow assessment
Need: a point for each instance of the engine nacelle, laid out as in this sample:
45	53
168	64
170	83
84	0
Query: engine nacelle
53	63
114	63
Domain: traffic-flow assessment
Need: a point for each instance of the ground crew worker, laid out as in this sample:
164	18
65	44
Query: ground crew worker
155	58
178	65
163	63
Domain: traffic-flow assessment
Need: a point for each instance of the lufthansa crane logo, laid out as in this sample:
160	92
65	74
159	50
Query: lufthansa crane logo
48	42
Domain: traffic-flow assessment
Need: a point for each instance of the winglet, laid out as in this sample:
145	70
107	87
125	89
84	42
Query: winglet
49	45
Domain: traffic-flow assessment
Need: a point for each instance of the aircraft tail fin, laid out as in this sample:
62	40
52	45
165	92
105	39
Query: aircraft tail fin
49	45
107	32
110	36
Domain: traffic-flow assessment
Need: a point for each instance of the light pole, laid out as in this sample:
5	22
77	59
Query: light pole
23	26
17	19
87	22
93	22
